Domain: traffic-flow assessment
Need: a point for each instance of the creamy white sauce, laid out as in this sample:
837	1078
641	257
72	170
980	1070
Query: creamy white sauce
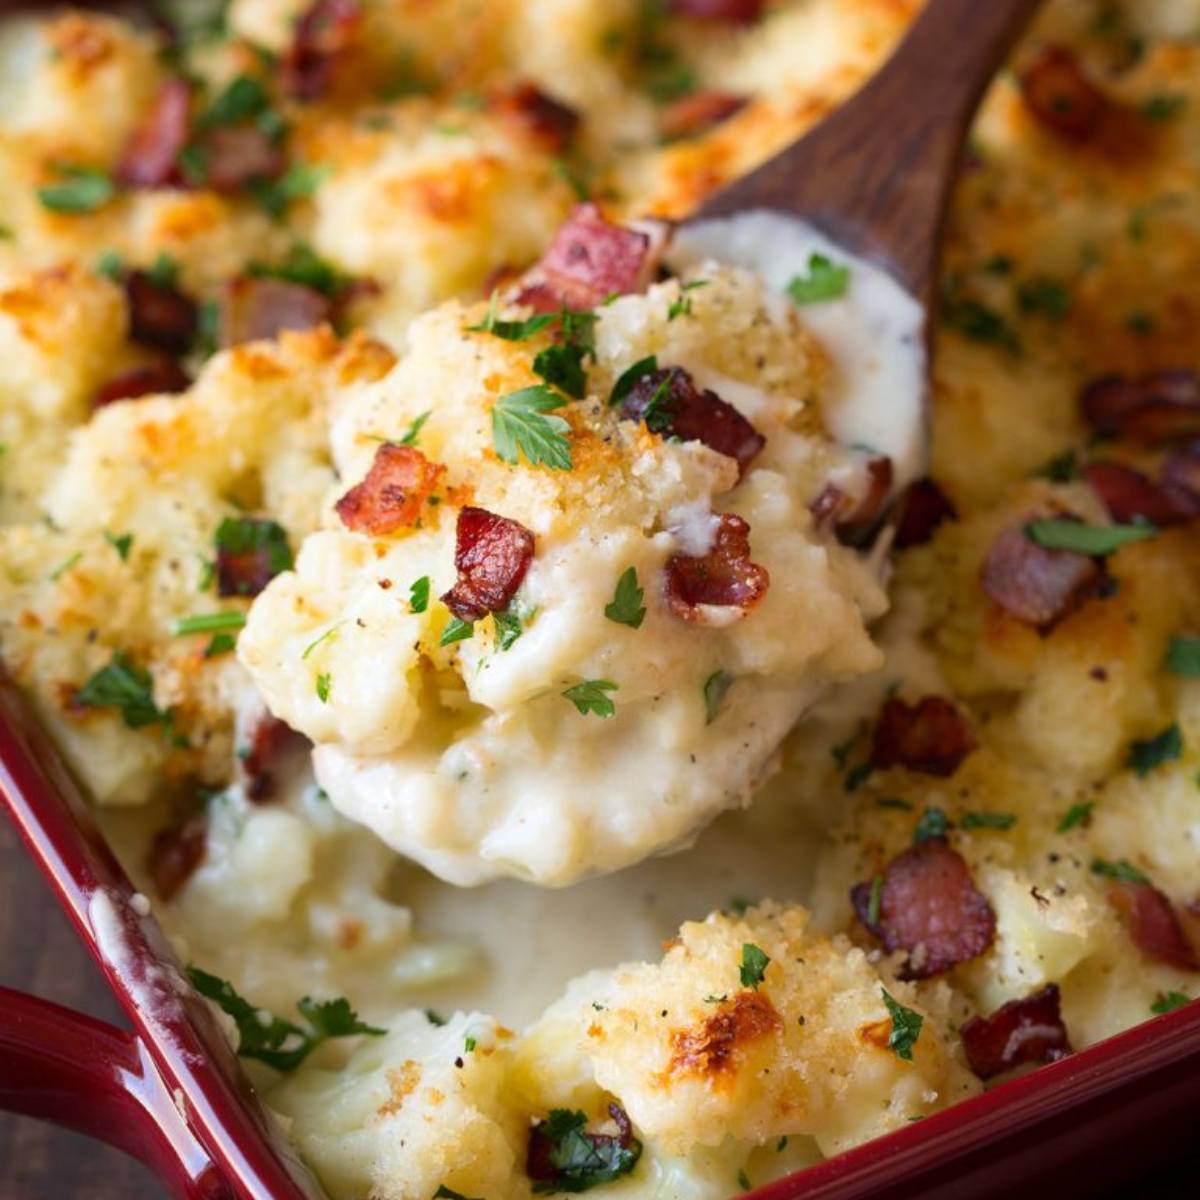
874	333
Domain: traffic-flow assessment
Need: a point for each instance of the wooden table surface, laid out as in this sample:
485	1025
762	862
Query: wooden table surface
39	953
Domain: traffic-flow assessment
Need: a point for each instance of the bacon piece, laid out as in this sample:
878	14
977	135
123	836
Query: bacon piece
929	906
324	32
539	119
588	260
926	507
539	1157
931	736
1159	407
259	309
685	412
1034	584
491	555
854	522
236	155
698	112
150	158
159	315
1060	96
731	12
174	855
720	586
1153	924
1028	1030
162	377
260	555
1129	495
393	493
271	742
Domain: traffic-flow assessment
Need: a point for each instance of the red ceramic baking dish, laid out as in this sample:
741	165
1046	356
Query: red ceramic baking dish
171	1093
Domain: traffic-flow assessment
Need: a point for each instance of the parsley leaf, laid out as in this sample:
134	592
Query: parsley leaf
626	606
1166	1002
520	426
413	432
1183	656
1123	871
512	331
1144	756
242	98
1044	297
1063	468
906	1027
324	683
825	280
628	379
988	820
754	965
715	688
262	541
111	265
562	366
1057	533
508	628
857	776
208	623
975	321
590	697
273	1040
581	1160
1164	106
932	823
1077	814
80	190
457	630
122	686
681	306
121	543
418	595
659	412
874	899
299	182
221	643
302	266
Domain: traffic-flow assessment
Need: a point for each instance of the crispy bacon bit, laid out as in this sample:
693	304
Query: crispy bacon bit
720	586
733	12
588	260
236	155
393	493
160	378
159	315
685	412
1037	585
150	157
926	507
271	742
491	555
174	855
324	33
1060	95
1029	1030
257	309
929	906
1153	924
698	112
931	736
1159	407
712	1048
853	521
539	119
1129	495
540	1165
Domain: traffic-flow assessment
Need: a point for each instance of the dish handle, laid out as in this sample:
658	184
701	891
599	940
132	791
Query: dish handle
62	1066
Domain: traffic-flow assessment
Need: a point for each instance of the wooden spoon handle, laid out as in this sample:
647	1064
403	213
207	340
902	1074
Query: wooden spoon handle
877	173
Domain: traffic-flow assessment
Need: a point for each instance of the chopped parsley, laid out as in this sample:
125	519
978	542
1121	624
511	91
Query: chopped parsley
1045	298
1123	871
894	802
1166	1002
208	623
321	638
857	776
242	98
521	425
445	1193
659	411
273	1040
591	696
681	306
629	378
1063	468
1058	533
469	1044
127	688
509	627
512	331
413	432
906	1027
299	182
743	1180
263	541
975	321
754	965
581	1160
932	823
626	606
562	366
988	820
434	1018
715	688
65	566
1145	756
111	265
121	543
1078	815
164	271
79	190
418	595
874	900
1183	656
1164	106
826	280
302	266
457	630
324	683
221	643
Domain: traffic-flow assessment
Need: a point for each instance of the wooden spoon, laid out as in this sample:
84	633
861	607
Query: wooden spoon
876	175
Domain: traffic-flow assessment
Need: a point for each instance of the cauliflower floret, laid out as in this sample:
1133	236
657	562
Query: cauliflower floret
436	744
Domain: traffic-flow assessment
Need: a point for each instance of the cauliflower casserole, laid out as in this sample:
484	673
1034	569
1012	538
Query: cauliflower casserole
567	754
